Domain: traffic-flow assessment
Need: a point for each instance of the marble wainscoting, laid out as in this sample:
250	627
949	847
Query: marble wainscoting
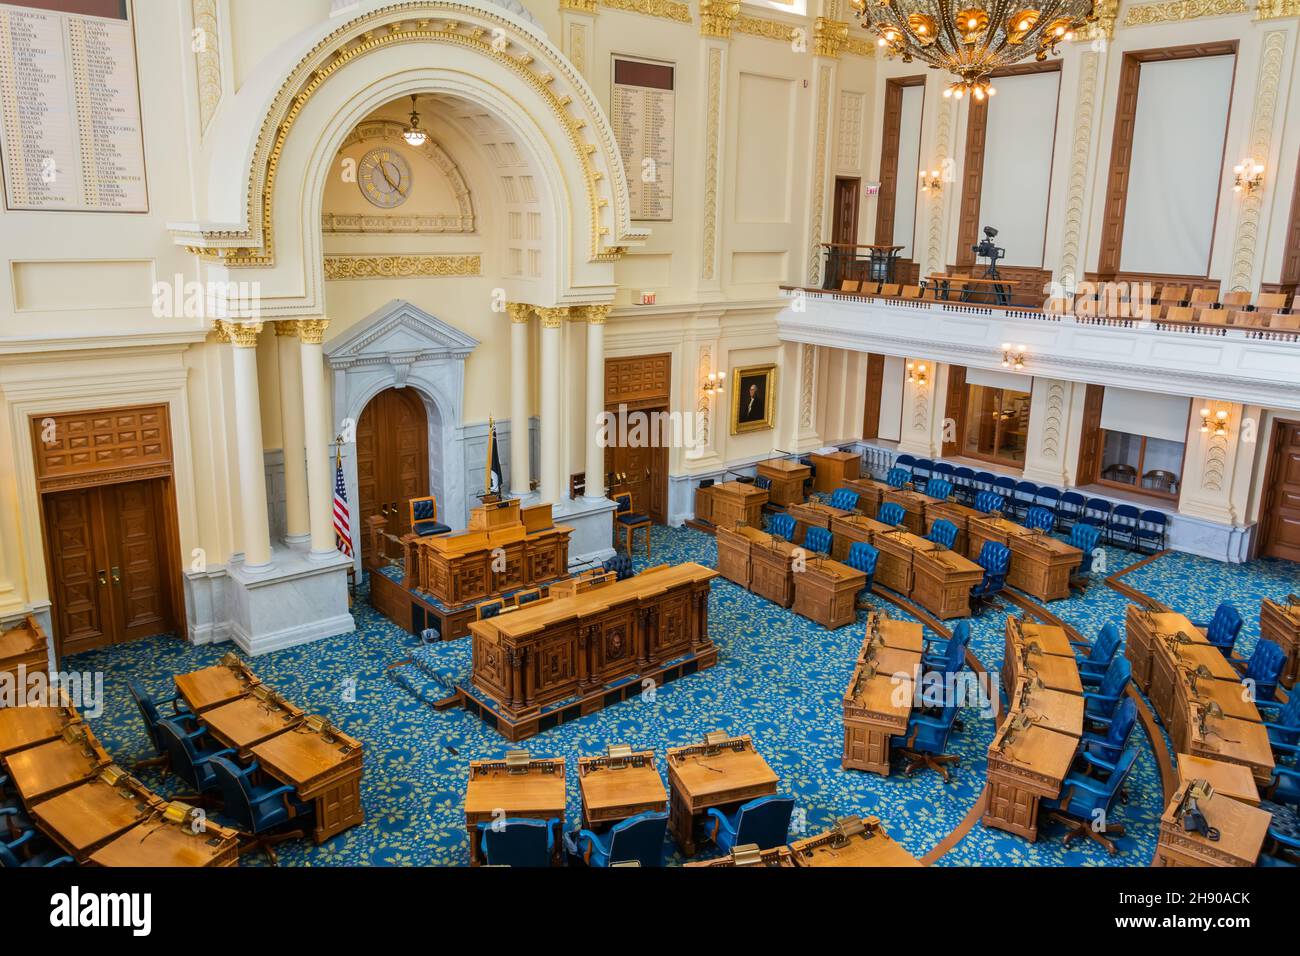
592	521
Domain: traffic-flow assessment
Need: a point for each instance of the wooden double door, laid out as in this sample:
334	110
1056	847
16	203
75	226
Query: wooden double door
1280	507
392	460
111	563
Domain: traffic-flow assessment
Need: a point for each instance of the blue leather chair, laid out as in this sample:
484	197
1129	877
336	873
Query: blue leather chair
938	488
812	471
1282	721
258	809
187	757
846	499
988	502
994	558
1023	496
1263	669
424	517
1101	751
943	533
518	842
1152	531
782	526
1122	525
1285	787
890	513
639	838
1038	518
1085	801
765	822
947	655
925	741
818	540
763	482
863	557
488	609
1099	705
620	564
1282	847
1223	628
150	715
1094	659
1085	537
898	477
1070	510
27	851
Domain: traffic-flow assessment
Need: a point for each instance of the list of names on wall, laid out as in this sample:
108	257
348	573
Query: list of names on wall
70	129
642	110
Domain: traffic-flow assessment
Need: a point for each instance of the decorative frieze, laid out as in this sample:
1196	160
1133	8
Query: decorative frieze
1173	11
401	266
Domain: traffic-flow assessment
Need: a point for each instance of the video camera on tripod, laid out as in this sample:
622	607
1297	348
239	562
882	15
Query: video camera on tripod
987	249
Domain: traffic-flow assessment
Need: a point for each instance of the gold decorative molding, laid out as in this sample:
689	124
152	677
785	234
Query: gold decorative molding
1102	27
206	42
712	151
286	328
1276	9
242	335
859	46
552	317
942	152
312	331
402	266
579	6
717	17
596	314
1144	14
376	30
820	158
664	9
520	312
829	37
577	45
1263	116
1080	156
765	28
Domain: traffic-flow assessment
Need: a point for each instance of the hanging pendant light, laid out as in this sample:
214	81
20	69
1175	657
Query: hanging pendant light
413	134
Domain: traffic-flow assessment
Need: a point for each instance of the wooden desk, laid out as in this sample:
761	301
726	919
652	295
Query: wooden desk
851	529
787	476
1280	623
45	770
578	645
618	788
1054	709
724	775
982	528
885	631
913	504
1025	766
870	494
876	707
1041	565
942	582
1040	654
827	592
23	727
833	469
1232	740
1143	630
734	549
91	814
813	514
897	551
1230	779
960	516
216	685
499	556
778	857
772	570
1170	661
731	504
868	846
24	647
1242	829
324	767
535	791
243	723
160	843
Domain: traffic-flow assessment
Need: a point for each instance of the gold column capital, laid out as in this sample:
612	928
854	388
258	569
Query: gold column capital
520	312
829	37
597	314
286	328
1276	9
242	335
312	331
717	18
552	317
579	6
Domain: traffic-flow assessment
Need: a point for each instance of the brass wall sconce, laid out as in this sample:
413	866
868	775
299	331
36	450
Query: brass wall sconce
1248	177
1216	423
931	181
1013	356
713	383
916	374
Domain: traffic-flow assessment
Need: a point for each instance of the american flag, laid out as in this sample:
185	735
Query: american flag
342	521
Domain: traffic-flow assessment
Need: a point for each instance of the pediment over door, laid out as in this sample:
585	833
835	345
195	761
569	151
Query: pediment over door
401	334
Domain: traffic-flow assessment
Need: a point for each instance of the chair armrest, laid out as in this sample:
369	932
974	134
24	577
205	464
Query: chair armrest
1085	783
1284	747
1089	695
204	758
719	823
1096	761
27	837
61	861
271	794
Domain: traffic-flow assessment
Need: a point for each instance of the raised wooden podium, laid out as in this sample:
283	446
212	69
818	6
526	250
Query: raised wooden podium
833	469
731	504
787	476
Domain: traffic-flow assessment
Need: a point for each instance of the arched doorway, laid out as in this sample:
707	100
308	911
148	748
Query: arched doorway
392	459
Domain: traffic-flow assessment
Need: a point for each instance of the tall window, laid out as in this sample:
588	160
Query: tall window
997	422
1142	439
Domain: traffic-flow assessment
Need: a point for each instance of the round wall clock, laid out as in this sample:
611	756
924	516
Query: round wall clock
384	178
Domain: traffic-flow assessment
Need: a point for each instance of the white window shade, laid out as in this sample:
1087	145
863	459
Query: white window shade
1176	165
1145	413
1018	144
990	378
909	166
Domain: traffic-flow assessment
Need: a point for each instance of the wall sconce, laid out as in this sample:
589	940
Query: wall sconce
1013	356
931	181
1248	176
916	374
1218	423
713	383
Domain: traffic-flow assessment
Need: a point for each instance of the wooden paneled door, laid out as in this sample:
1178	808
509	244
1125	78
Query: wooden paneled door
642	470
640	386
844	225
392	460
110	564
1280	507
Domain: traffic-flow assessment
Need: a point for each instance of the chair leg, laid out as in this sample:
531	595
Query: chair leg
265	843
1082	828
159	761
937	762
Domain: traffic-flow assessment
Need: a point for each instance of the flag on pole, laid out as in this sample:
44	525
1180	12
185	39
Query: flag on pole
342	519
492	478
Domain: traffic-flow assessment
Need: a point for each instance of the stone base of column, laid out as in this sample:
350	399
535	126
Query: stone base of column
298	542
592	522
299	600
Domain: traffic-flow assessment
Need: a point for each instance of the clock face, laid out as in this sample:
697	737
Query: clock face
384	177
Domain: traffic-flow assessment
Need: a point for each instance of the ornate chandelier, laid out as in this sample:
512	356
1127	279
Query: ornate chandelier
973	41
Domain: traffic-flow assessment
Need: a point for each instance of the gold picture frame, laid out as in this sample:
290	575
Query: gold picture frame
744	416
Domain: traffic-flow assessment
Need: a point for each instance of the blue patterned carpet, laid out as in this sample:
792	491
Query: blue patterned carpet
779	678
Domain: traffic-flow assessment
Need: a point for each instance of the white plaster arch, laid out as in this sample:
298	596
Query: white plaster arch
270	144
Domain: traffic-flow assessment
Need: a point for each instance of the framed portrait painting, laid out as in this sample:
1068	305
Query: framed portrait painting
753	398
